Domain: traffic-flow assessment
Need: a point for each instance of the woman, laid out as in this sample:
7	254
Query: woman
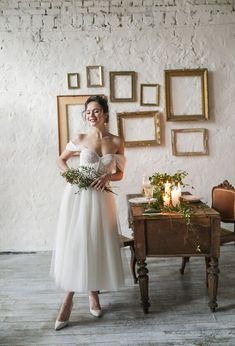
87	252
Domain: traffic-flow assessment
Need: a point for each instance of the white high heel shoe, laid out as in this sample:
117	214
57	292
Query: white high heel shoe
62	324
95	312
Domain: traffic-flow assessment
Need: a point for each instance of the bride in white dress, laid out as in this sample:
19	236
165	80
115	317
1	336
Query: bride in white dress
87	250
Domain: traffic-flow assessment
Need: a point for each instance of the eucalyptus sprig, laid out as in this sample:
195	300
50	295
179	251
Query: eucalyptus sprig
82	177
185	210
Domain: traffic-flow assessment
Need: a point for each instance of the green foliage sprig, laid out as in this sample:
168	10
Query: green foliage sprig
82	177
186	211
159	179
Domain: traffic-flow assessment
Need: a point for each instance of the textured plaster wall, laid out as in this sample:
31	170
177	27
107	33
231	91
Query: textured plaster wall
40	41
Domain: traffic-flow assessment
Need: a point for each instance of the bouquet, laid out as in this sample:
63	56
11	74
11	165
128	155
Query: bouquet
82	177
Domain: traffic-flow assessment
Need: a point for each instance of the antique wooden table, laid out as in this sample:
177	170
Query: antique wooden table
167	235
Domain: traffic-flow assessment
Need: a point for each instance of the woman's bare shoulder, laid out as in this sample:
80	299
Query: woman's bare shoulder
79	138
117	140
119	143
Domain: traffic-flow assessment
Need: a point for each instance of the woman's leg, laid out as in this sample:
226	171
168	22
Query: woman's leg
94	300
66	307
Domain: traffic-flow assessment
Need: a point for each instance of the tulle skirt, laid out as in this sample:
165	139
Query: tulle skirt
87	254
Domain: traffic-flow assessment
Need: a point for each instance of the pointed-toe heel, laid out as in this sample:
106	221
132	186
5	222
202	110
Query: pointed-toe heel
96	313
62	324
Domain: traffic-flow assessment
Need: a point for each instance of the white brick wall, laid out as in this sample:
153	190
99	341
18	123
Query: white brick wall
43	40
173	12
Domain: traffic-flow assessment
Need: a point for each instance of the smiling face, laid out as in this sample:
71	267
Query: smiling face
95	114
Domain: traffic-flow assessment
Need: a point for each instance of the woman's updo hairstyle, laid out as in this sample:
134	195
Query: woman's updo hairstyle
101	101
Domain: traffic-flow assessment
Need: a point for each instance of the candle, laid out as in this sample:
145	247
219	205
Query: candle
168	188
179	189
166	200
175	197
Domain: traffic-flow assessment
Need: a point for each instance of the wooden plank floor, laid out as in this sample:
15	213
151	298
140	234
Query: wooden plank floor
178	315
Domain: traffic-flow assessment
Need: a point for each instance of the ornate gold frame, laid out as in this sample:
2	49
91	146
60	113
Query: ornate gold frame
133	115
101	76
189	153
157	87
112	76
69	75
63	101
203	74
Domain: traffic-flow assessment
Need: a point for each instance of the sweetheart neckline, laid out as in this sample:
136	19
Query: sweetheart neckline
92	151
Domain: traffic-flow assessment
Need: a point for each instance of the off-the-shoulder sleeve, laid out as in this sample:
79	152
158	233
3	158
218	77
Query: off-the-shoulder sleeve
73	147
120	161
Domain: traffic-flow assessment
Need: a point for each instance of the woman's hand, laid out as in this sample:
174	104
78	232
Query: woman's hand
101	181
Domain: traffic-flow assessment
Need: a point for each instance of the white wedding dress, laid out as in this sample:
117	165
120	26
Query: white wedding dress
87	249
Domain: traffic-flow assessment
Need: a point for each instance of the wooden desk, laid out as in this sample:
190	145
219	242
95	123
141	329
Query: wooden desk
166	235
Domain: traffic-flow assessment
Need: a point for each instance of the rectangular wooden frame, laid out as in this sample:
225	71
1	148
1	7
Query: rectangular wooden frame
112	76
157	87
175	151
101	76
203	74
63	101
133	115
69	76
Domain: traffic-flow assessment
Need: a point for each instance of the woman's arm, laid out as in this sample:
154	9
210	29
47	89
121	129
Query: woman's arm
66	154
63	158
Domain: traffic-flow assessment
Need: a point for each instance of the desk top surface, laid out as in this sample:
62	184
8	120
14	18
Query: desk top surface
199	209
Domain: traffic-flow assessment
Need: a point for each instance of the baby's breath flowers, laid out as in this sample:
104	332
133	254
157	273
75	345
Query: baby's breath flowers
82	177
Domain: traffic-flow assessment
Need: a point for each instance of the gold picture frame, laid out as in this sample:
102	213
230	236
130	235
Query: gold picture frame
70	80
196	142
99	81
186	94
130	78
64	103
156	99
147	126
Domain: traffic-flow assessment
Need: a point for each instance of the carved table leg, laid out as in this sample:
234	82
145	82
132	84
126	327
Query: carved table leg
143	284
207	260
133	264
213	275
185	259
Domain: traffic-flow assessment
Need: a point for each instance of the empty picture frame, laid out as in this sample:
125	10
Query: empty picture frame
94	76
122	86
73	80
139	128
149	94
186	94
70	119
189	142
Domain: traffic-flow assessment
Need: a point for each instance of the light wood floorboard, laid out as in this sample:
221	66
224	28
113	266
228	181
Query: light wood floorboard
179	315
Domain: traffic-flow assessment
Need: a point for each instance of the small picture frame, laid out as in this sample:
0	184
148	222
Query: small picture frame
73	80
122	86
149	94
189	142
94	76
186	94
147	128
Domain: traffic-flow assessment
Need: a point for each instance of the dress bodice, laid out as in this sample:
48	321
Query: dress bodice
106	163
